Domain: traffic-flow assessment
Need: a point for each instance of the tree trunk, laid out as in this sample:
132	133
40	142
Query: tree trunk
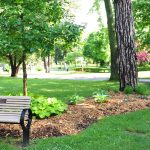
125	44
14	71
48	64
45	65
24	75
112	40
14	66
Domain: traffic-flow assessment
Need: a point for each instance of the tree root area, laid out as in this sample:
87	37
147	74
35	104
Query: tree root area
78	117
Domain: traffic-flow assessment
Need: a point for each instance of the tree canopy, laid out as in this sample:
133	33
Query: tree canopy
96	46
141	9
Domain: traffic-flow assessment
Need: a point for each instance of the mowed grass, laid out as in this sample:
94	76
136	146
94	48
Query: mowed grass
130	131
60	89
122	132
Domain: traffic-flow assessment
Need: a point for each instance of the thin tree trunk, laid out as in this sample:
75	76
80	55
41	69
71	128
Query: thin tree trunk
24	75
125	43
112	40
45	65
48	64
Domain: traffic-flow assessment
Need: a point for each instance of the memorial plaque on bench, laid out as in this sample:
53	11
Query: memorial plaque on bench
3	101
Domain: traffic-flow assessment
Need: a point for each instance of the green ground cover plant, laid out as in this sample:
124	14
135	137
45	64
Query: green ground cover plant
44	107
100	96
75	99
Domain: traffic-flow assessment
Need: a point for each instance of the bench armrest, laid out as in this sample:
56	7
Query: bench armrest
22	119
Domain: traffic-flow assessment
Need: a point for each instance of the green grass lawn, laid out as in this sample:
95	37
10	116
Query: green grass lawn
123	132
57	88
54	88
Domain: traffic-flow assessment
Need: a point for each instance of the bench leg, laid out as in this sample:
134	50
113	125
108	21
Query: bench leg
26	127
25	137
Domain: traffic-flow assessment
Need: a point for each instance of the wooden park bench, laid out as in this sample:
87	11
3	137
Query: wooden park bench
16	110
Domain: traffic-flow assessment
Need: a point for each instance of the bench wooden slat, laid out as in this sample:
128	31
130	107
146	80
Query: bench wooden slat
11	108
15	119
16	105
10	114
15	102
15	97
7	112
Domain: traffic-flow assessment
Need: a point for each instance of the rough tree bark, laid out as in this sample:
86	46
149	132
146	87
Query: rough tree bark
14	65
125	43
112	40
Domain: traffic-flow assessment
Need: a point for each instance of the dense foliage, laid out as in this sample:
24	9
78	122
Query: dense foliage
42	107
142	22
96	47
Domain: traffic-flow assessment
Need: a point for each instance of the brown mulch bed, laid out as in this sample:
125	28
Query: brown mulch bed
78	117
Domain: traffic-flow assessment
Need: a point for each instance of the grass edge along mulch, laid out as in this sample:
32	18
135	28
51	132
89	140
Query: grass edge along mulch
129	131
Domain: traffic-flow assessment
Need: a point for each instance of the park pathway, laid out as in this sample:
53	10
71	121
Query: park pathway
144	76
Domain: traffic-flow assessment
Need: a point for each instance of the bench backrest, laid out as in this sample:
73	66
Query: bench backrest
11	105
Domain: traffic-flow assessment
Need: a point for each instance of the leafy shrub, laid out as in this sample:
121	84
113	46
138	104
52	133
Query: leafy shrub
95	70
43	107
101	96
74	99
141	90
144	68
128	90
7	68
39	69
143	57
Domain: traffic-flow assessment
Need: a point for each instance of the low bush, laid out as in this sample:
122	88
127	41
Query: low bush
94	70
129	90
144	68
142	90
44	107
75	99
101	96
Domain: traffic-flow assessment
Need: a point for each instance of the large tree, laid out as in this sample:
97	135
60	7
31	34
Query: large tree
20	21
112	39
125	44
111	34
24	27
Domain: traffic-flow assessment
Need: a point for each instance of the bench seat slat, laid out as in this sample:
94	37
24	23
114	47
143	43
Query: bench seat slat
24	102
12	108
15	97
17	100
12	105
15	119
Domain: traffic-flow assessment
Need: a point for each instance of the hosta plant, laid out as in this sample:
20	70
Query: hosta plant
75	99
100	96
44	107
